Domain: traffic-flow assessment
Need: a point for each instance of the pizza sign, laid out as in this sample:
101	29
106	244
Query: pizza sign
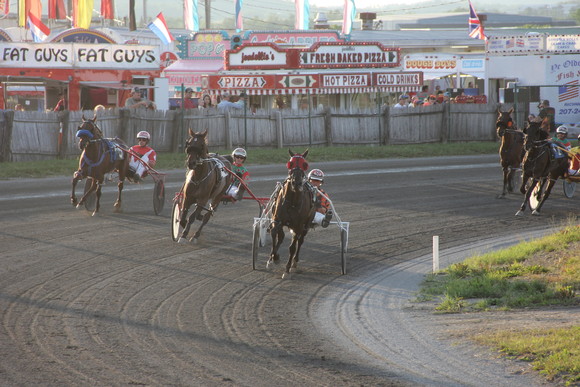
242	82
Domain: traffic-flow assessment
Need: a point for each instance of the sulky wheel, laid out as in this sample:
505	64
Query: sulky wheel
158	197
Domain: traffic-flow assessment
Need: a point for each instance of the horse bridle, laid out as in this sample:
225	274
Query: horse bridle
194	149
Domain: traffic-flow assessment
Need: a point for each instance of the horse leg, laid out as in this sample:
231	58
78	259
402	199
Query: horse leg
292	265
545	195
527	193
510	177
204	221
117	204
506	176
277	233
89	192
76	178
190	220
98	201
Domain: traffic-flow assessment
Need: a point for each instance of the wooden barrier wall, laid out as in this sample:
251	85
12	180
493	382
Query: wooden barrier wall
35	135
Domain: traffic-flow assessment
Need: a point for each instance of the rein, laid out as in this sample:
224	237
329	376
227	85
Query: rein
198	182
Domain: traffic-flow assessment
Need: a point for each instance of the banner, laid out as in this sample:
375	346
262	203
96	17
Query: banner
56	10
239	21
302	14
107	11
190	15
348	17
82	13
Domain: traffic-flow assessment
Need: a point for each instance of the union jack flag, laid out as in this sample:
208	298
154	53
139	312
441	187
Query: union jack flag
475	26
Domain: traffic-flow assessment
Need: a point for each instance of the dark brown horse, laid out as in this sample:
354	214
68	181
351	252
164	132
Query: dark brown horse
510	150
205	183
99	156
294	208
539	166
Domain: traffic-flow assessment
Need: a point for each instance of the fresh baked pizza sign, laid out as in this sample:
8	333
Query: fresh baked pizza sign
349	55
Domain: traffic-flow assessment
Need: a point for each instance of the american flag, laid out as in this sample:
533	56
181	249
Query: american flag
567	92
475	26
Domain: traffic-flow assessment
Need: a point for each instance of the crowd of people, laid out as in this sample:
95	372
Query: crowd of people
423	98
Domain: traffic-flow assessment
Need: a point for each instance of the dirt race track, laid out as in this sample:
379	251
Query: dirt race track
111	300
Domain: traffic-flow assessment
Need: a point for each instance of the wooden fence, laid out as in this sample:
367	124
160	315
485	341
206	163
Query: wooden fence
40	136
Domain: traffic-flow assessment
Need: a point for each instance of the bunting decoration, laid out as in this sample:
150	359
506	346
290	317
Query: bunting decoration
475	26
348	17
37	28
302	14
159	28
190	15
239	21
82	13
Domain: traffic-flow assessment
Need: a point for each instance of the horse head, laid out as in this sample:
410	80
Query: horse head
196	148
534	133
87	131
297	166
504	121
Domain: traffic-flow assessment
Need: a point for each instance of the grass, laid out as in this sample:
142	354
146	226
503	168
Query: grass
167	161
538	273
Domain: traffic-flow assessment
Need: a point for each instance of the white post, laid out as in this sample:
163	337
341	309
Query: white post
435	253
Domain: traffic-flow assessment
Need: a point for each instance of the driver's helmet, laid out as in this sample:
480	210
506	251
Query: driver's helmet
316	174
562	129
240	152
144	134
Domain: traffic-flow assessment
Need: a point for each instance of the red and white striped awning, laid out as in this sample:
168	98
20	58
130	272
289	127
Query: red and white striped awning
306	91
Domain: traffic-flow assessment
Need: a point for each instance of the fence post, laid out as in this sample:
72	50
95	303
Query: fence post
63	119
387	128
227	131
328	126
6	125
446	123
124	122
176	126
279	131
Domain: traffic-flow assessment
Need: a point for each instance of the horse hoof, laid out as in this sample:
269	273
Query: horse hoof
502	196
287	275
536	213
193	240
78	206
94	213
520	213
182	240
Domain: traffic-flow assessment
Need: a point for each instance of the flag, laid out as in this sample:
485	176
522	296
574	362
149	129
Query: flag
37	28
190	15
107	11
302	14
239	21
568	91
82	13
56	9
28	6
475	26
348	16
4	8
159	28
132	22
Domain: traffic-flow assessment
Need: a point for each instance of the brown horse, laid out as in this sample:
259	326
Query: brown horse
510	150
294	208
206	182
99	156
539	166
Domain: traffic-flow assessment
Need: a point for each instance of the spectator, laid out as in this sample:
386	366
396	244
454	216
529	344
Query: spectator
61	104
432	100
226	102
19	107
424	93
188	102
206	102
403	101
135	101
547	115
446	97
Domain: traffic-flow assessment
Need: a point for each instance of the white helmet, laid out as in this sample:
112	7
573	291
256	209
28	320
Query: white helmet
316	174
144	134
240	152
562	129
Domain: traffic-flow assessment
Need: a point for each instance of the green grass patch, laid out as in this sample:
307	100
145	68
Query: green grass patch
544	271
555	353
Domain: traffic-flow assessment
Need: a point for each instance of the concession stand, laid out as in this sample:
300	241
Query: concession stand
87	66
336	74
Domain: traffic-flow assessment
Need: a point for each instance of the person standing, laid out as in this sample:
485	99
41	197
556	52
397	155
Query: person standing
424	93
403	101
188	102
61	104
136	101
226	102
206	102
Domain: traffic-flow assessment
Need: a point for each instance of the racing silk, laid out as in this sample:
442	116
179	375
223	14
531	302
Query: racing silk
322	204
241	171
146	153
566	144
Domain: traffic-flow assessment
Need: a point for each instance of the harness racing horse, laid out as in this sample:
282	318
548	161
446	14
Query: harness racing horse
539	166
206	182
294	208
99	156
511	149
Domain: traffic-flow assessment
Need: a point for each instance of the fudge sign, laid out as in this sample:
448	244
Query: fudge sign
66	55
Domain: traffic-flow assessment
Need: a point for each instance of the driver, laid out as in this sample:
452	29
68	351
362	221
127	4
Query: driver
236	189
323	212
145	153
